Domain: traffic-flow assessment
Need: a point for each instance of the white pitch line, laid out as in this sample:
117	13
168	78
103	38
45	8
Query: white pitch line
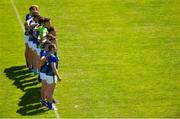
22	26
17	14
56	112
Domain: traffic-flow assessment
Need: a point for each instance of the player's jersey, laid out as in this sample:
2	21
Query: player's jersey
51	59
31	22
43	68
42	32
28	16
35	35
34	40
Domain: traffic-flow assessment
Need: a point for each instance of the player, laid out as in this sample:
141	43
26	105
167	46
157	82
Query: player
32	9
52	74
44	55
32	24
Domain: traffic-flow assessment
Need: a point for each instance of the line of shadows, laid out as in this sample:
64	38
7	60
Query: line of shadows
29	103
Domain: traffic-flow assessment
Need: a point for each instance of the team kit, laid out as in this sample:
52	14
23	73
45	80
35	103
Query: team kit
41	53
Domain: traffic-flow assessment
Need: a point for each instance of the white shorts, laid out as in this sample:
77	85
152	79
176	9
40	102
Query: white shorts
26	38
38	50
34	46
51	79
30	44
42	76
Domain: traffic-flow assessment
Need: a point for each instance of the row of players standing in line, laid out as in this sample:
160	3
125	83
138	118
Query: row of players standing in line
41	53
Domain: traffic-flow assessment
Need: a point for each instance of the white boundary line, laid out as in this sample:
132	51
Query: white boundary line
17	14
22	26
56	112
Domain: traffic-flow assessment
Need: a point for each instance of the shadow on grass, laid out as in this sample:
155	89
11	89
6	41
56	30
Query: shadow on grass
29	103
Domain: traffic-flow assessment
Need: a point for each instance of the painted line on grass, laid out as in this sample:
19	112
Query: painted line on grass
17	14
22	26
56	112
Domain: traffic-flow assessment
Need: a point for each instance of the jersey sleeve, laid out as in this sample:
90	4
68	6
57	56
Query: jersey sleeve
52	60
27	17
41	53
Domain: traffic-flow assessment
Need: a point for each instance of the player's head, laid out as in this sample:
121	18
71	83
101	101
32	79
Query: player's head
41	20
36	16
46	45
33	8
50	37
52	48
47	22
52	31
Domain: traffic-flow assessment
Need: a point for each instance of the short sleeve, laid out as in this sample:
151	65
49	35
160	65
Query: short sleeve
42	53
52	59
27	17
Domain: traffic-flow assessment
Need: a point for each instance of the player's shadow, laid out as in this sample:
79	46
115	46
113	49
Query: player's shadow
21	76
29	103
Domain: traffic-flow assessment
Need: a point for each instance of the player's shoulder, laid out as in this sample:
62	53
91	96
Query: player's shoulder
42	52
29	21
52	58
28	16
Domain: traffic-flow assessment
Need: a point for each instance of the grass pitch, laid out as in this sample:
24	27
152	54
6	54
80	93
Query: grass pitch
119	58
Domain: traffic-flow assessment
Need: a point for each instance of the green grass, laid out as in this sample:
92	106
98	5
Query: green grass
119	58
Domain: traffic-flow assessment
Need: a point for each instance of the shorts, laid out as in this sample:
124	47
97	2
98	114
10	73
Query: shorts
51	79
34	46
42	76
38	50
30	43
26	38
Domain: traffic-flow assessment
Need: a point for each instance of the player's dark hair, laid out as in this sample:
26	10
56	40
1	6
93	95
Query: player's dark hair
51	29
46	20
51	46
41	20
51	37
47	43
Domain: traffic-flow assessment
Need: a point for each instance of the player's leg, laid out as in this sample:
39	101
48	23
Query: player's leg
38	63
35	60
26	38
43	88
30	56
51	81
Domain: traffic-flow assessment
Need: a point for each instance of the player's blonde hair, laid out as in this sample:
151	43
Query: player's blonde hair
34	6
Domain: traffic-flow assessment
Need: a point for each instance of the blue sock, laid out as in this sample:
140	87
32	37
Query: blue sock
49	105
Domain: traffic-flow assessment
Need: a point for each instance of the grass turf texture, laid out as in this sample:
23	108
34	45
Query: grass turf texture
119	58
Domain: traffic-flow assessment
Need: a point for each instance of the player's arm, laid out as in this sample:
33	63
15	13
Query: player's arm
55	71
43	59
26	26
34	25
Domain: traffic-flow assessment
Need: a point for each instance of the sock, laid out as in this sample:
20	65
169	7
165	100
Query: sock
49	104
